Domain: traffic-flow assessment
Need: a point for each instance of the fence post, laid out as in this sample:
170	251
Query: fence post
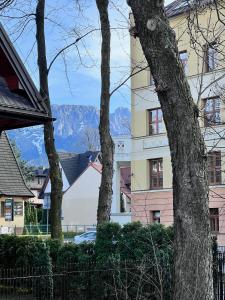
64	284
89	281
220	281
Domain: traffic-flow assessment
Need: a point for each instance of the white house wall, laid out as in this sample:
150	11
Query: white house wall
47	190
80	201
64	179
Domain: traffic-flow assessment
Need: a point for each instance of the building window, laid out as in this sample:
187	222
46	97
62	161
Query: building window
214	219
18	209
151	79
214	168
212	115
184	59
156	173
210	57
156	216
155	121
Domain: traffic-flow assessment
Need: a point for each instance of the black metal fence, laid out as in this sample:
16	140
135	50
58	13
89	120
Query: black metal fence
219	277
87	281
97	281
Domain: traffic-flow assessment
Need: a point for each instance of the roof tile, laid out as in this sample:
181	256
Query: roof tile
11	179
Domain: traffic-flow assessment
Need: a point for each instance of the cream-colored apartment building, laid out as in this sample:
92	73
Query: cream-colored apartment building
203	62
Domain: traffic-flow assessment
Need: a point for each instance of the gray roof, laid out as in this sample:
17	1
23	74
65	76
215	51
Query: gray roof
11	179
74	164
12	100
178	7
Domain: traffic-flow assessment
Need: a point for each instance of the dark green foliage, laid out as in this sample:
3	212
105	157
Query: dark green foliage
146	250
39	214
86	253
31	219
108	235
28	253
26	169
133	261
70	234
54	246
68	254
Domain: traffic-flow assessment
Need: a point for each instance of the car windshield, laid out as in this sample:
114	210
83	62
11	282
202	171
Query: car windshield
88	235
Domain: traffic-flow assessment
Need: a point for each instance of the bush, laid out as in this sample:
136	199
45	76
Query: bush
29	252
54	247
70	234
142	249
107	240
86	253
68	254
22	251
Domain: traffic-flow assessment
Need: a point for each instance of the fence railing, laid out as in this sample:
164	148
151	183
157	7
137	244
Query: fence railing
87	281
97	281
43	229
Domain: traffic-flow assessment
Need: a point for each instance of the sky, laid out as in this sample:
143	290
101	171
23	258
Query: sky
75	76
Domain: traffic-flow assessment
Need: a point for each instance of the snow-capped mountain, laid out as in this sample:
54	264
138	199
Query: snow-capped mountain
71	126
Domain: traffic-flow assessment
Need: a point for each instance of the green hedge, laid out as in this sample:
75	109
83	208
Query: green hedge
29	253
136	256
142	249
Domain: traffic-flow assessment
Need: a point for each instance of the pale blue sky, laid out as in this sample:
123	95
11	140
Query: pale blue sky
80	83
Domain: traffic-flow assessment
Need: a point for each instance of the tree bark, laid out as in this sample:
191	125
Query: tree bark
193	258
107	145
55	172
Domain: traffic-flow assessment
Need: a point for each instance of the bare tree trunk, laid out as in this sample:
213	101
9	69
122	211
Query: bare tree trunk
5	3
107	145
55	173
193	258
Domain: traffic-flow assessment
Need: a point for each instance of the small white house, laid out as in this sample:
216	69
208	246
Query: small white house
81	174
80	200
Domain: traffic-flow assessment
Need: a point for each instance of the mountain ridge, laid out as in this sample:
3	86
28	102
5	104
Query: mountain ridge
74	126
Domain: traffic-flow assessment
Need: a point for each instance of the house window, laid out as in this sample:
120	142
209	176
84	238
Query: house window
214	219
155	121
210	57
156	216
212	115
184	60
156	173
214	168
18	208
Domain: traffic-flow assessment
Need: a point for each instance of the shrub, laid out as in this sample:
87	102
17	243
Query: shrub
68	254
86	253
107	240
54	247
70	234
142	249
29	252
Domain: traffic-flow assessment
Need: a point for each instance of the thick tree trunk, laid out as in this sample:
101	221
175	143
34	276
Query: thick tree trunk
193	259
107	145
55	173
